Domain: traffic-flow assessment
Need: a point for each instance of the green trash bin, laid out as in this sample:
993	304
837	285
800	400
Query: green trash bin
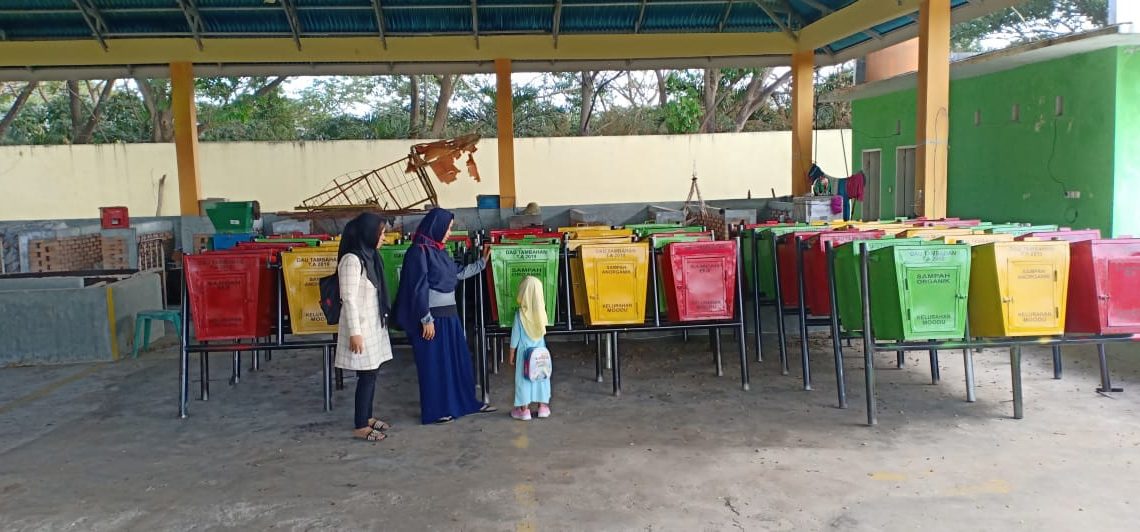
645	230
393	257
768	259
233	216
510	264
919	292
746	249
1018	230
848	292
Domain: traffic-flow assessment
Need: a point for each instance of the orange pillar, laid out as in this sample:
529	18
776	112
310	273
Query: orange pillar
803	107
932	126
504	110
185	137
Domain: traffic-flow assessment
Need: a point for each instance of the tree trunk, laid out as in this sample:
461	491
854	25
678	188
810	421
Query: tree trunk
264	90
586	83
446	89
88	131
662	88
712	83
414	120
74	108
14	110
158	107
756	95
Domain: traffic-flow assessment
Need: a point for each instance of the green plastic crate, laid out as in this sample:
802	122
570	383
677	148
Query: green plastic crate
510	264
232	216
848	292
919	292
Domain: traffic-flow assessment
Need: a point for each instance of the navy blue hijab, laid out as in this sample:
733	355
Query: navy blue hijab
427	266
361	238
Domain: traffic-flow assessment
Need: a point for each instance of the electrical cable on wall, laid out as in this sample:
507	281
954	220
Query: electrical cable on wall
1049	172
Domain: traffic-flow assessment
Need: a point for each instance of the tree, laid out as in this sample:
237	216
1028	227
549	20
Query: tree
155	95
17	104
1029	21
439	117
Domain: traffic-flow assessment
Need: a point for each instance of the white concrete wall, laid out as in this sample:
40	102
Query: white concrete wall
61	182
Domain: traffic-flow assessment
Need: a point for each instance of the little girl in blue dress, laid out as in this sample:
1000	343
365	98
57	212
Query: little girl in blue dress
528	332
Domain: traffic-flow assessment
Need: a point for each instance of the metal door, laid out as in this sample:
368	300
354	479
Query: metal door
1122	293
1031	300
872	192
904	182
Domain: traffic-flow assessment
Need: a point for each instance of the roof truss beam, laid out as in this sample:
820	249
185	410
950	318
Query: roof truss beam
193	19
294	22
378	12
784	27
94	20
724	16
556	24
640	17
475	21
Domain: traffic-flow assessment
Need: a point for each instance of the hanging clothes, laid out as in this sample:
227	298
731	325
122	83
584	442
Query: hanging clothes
855	185
844	191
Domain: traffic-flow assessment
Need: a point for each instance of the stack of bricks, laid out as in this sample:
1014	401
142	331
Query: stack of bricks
115	253
712	222
67	254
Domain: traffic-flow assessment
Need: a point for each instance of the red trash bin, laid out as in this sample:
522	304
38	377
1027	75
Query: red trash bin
700	280
786	255
1104	287
816	294
232	295
1069	235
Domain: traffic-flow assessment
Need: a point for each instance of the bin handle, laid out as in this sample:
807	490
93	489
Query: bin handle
1103	296
1006	299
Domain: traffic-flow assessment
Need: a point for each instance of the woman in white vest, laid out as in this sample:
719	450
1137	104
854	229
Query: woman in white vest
363	344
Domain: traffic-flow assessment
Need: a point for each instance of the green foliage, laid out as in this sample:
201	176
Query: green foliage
1030	20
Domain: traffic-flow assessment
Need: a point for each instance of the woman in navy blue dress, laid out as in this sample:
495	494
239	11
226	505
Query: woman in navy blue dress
425	309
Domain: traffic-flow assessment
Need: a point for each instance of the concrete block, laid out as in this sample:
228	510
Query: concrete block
68	325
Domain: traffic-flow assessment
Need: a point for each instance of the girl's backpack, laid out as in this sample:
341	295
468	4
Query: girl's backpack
537	365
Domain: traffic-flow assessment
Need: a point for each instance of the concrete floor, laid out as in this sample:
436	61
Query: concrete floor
98	447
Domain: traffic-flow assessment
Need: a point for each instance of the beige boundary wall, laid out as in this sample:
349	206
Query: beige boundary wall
64	182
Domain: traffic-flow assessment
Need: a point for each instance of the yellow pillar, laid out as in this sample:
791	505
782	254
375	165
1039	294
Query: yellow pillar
504	110
932	127
185	137
803	106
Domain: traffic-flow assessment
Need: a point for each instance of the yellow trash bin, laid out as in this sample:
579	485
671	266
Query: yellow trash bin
582	234
577	283
616	278
1018	289
978	239
303	269
926	233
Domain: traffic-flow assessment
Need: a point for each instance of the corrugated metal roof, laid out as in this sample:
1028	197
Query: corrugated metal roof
112	19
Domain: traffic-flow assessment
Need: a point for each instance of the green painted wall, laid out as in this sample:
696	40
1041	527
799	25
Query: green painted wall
884	123
1002	169
1126	208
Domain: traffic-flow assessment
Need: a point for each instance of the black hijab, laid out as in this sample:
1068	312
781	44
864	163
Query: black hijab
361	238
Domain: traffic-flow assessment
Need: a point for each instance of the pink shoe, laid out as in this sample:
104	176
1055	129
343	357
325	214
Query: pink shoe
521	414
543	411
